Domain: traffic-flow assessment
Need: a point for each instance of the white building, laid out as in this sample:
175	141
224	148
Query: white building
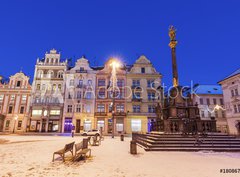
79	97
48	93
211	104
230	86
14	103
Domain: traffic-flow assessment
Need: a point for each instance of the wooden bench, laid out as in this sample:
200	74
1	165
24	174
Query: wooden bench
62	152
81	151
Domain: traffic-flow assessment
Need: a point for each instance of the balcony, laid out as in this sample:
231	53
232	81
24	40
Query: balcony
120	113
100	114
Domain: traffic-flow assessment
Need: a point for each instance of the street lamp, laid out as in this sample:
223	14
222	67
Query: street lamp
114	66
15	119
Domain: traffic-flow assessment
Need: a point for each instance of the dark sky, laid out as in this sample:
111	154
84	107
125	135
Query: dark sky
207	33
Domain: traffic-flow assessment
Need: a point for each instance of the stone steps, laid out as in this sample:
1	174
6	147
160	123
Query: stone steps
178	142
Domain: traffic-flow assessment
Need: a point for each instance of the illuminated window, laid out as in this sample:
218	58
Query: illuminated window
36	112
100	123
55	112
1	97
136	125
24	97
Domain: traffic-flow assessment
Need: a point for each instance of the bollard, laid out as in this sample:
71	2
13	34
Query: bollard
133	147
85	143
122	137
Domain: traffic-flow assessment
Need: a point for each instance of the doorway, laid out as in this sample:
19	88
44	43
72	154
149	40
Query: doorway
110	125
78	124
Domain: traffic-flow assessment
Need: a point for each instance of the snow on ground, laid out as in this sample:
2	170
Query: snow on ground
32	156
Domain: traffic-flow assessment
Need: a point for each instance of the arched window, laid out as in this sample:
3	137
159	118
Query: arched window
50	74
59	87
40	74
54	87
60	74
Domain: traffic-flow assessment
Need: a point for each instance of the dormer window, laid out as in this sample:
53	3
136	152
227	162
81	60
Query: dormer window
142	70
18	83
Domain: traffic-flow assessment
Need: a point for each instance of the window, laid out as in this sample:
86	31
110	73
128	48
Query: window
208	101
18	83
101	108
232	93
235	109
12	97
142	70
151	96
236	92
50	74
80	85
1	97
136	95
221	101
79	94
120	108
100	123
87	125
19	124
136	108
150	84
120	82
88	108
110	107
151	109
69	109
55	112
201	101
70	96
71	82
38	86
136	125
136	83
54	88
78	108
59	87
36	112
88	95
22	110
7	123
101	93
81	68
43	87
101	82
202	114
214	101
60	74
89	82
10	110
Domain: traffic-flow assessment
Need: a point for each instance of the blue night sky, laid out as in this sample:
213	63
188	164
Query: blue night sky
207	33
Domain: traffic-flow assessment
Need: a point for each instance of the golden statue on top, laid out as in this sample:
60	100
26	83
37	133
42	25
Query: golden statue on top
172	33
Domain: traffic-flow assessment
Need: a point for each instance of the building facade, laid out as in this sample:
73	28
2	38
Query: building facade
79	97
48	90
230	86
210	103
14	103
104	99
142	96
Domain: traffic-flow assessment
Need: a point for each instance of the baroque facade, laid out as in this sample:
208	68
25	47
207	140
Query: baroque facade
79	97
230	86
15	96
142	96
48	90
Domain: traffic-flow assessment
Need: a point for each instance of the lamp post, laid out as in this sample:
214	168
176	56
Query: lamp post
15	119
114	65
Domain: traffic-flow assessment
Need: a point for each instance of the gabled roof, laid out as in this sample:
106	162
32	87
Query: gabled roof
231	75
204	90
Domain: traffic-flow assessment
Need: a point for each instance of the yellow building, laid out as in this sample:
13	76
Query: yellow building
142	96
